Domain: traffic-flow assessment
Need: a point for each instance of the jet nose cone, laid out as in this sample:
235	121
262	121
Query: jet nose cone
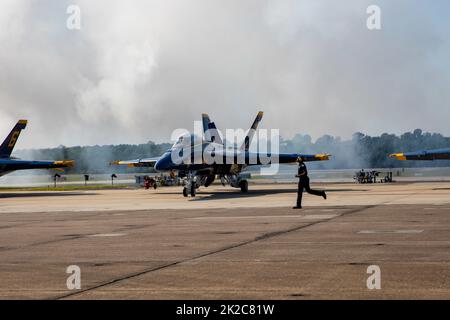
163	163
158	165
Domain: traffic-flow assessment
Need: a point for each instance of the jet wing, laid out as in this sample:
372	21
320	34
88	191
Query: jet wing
439	154
147	162
292	157
13	164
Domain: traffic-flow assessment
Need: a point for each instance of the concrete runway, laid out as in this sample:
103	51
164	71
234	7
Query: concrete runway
225	245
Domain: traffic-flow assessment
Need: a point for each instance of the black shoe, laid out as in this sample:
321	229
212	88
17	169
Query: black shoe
324	195
296	207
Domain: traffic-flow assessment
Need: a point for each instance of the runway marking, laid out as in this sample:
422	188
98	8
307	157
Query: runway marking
437	208
307	217
320	216
389	231
108	235
264	236
75	237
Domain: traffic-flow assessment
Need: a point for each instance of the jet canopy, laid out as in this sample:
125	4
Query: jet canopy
187	139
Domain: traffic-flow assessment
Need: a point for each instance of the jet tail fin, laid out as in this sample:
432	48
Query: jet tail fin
7	146
210	130
251	132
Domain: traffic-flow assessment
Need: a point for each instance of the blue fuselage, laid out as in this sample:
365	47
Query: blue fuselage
221	161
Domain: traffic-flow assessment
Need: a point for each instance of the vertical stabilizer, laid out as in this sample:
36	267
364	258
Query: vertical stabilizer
251	132
8	145
210	130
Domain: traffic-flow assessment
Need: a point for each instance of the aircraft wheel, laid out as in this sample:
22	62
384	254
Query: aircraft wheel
244	185
185	192
192	191
155	186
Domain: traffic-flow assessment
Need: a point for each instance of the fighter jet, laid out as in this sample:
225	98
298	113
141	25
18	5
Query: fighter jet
438	154
208	157
9	164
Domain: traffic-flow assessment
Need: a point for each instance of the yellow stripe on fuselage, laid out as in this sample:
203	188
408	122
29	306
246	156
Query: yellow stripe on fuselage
398	156
65	163
322	156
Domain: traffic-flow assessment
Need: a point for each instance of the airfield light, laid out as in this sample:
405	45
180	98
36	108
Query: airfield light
113	176
55	177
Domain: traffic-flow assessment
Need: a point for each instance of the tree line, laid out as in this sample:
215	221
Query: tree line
362	151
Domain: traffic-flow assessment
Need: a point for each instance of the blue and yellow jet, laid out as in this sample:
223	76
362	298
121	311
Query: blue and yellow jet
437	154
9	164
229	169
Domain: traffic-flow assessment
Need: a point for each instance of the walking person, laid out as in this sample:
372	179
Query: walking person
303	183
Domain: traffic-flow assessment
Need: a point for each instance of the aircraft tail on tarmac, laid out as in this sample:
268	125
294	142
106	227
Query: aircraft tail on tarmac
8	145
251	132
210	130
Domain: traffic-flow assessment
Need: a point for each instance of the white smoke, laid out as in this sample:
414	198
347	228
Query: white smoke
137	70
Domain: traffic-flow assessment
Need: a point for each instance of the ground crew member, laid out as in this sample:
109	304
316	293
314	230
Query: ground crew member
303	183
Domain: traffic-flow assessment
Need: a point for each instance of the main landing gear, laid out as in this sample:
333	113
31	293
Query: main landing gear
191	185
236	181
243	184
193	182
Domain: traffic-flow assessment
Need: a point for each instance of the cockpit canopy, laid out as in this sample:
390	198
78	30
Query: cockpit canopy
186	140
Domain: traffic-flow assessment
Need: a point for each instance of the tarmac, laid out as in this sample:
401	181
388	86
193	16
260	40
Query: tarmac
222	244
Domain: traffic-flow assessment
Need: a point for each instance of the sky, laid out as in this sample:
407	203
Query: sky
137	70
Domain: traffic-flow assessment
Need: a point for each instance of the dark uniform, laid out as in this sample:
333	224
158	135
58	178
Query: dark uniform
303	183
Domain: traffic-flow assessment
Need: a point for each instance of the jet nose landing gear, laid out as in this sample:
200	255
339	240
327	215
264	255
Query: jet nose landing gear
189	191
191	185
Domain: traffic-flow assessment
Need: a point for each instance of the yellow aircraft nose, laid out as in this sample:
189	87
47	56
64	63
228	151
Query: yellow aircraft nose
398	156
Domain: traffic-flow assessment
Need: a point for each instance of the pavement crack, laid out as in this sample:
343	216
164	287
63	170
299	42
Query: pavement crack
264	236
